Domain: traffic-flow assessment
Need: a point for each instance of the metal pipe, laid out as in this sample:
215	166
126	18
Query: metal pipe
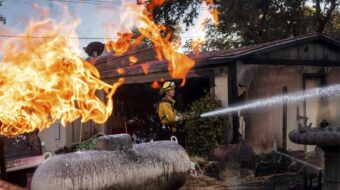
298	160
332	165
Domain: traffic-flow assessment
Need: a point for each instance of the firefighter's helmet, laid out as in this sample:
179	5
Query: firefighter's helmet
166	86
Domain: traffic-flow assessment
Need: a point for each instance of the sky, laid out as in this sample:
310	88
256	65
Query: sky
94	16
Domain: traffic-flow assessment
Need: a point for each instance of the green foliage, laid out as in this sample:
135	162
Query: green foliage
86	145
215	40
145	43
90	144
259	21
177	10
248	22
333	28
204	133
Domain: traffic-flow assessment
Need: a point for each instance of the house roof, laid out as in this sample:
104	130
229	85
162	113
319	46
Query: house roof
107	65
238	53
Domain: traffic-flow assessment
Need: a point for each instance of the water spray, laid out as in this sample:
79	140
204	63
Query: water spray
287	98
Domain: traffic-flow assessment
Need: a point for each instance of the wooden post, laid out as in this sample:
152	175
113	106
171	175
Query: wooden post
284	122
232	93
3	173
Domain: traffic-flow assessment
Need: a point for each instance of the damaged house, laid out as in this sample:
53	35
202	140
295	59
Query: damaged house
236	76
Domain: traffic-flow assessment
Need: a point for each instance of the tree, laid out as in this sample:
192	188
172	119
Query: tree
173	11
215	40
2	18
259	21
247	22
323	17
333	28
173	14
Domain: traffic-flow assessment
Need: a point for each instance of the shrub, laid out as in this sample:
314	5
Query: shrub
90	144
203	134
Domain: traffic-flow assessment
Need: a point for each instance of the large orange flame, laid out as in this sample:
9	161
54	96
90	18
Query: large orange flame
179	64
123	44
43	80
204	19
213	11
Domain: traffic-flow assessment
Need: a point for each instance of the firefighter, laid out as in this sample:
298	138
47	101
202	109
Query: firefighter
167	113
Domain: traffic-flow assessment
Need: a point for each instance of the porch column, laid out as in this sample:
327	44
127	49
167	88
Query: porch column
232	94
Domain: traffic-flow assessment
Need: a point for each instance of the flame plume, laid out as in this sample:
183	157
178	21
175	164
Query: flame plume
43	80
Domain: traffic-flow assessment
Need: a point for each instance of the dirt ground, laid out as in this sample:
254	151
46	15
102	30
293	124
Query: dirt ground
202	182
278	182
233	177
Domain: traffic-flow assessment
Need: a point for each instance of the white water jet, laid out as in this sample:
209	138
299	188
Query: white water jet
287	98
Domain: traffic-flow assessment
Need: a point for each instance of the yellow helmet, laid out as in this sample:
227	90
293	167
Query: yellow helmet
166	86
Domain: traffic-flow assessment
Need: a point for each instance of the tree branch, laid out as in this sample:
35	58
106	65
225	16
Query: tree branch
321	19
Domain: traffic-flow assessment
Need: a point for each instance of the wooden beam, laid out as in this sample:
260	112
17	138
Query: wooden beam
291	62
232	99
141	78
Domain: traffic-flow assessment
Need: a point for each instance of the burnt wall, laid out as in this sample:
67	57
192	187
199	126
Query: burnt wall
264	125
